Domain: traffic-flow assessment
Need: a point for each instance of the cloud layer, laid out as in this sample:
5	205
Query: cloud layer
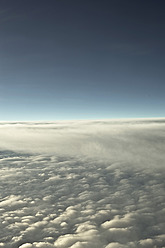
82	184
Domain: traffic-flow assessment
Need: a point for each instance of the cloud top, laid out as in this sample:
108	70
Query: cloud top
131	140
82	185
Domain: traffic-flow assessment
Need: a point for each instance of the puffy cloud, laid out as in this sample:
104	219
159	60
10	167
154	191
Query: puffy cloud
115	245
82	184
147	243
118	222
27	245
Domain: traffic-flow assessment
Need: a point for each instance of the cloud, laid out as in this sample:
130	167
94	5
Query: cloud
131	141
100	184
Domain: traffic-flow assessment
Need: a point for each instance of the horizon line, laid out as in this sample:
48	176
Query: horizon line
92	119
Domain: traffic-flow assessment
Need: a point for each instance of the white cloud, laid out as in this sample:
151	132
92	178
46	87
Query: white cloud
116	245
82	185
27	245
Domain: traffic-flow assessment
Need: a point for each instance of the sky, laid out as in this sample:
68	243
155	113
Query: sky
87	59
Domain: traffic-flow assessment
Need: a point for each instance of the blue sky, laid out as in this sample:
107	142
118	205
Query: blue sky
84	59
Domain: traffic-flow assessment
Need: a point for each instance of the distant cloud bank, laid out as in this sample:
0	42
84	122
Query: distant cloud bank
84	184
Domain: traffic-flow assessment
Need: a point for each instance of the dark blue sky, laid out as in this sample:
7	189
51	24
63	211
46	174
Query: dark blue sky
82	59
